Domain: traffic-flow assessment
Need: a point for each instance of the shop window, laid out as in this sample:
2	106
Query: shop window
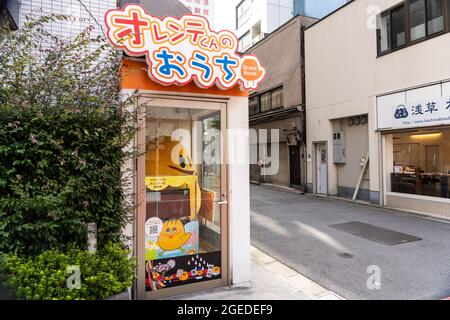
421	163
435	16
183	179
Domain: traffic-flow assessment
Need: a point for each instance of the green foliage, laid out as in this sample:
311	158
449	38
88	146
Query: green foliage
45	276
64	129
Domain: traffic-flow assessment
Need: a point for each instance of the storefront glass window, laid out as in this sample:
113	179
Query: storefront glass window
435	16
417	19
398	27
422	163
183	191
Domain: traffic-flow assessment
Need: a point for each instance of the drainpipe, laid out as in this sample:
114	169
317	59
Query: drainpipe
303	104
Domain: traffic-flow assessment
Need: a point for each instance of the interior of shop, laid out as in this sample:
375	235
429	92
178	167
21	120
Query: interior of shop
421	163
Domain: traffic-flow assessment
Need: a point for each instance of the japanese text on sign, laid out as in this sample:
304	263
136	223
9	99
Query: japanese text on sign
181	50
431	112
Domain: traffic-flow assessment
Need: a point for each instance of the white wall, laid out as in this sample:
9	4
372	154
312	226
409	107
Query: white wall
239	191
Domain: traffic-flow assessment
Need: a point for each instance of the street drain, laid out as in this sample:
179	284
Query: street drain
345	255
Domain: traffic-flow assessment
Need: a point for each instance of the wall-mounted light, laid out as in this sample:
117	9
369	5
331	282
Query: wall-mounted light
426	135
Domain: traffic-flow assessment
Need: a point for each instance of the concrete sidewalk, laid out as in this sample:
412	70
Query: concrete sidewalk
270	280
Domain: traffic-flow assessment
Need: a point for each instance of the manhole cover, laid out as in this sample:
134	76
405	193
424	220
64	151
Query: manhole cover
374	233
345	255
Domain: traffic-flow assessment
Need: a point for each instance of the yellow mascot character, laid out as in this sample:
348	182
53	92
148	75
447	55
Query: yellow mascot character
168	164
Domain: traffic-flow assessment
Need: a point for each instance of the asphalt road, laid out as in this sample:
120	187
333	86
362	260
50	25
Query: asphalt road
295	229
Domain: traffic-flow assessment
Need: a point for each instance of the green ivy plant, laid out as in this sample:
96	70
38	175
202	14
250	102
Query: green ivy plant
64	136
47	275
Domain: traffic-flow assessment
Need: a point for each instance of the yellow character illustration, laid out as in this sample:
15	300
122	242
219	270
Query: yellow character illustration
168	164
173	236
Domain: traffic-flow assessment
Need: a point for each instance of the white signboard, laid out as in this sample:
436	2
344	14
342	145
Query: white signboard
431	112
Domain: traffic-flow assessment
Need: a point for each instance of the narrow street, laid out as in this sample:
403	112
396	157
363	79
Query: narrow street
295	229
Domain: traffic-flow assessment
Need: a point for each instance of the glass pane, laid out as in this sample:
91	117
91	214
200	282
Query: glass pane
398	27
277	98
417	19
435	16
183	187
244	41
448	13
385	33
253	105
421	163
243	12
265	102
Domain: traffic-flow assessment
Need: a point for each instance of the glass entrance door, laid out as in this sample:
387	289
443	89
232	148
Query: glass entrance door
183	211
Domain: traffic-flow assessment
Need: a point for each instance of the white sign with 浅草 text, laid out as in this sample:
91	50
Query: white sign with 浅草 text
431	112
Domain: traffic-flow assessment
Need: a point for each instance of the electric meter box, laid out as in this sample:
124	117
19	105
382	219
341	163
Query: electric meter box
339	152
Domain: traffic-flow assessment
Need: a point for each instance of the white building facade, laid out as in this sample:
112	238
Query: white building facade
378	104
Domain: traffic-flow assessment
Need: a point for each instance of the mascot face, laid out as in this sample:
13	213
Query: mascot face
167	157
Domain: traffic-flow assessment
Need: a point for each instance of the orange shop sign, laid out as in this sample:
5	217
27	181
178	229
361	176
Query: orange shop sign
178	51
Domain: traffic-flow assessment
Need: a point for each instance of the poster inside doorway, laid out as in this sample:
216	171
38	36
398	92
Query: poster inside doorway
172	272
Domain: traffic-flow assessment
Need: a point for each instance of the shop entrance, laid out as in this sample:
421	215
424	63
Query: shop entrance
183	212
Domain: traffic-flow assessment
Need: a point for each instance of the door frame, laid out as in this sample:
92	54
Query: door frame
316	145
171	100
